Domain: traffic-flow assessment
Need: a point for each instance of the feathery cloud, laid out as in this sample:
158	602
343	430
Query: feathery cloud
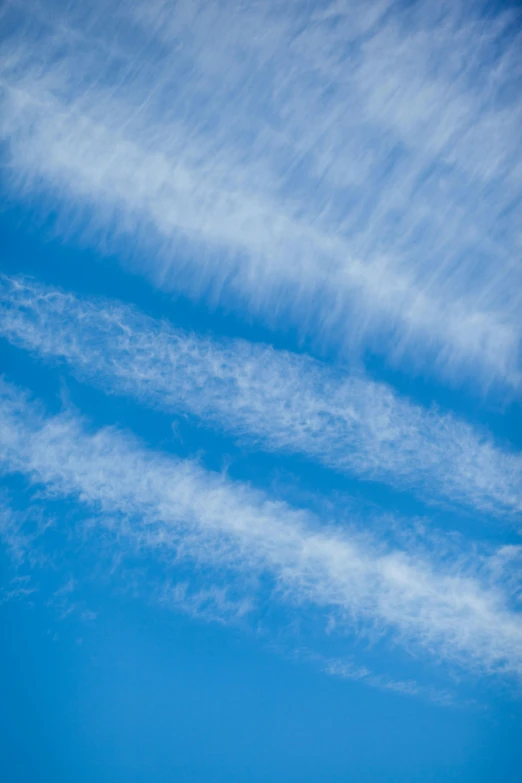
176	506
277	400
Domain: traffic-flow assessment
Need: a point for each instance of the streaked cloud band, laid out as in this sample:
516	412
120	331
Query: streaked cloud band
272	399
176	504
269	203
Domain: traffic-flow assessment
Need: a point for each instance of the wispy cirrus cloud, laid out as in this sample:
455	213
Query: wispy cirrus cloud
355	166
222	602
20	531
347	670
175	506
273	399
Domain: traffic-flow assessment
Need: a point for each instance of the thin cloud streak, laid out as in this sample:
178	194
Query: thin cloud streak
372	193
177	506
270	399
346	670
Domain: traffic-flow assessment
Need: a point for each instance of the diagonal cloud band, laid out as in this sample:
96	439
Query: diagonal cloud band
176	504
273	399
378	188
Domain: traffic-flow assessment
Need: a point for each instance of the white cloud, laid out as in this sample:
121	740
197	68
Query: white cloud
20	531
357	169
277	400
347	670
211	604
176	506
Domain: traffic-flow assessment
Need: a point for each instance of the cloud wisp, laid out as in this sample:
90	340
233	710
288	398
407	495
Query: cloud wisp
355	168
273	399
177	507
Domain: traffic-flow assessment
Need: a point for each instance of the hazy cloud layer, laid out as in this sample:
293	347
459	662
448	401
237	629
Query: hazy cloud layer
356	166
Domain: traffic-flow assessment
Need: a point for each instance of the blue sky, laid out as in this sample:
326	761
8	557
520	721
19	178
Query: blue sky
260	458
